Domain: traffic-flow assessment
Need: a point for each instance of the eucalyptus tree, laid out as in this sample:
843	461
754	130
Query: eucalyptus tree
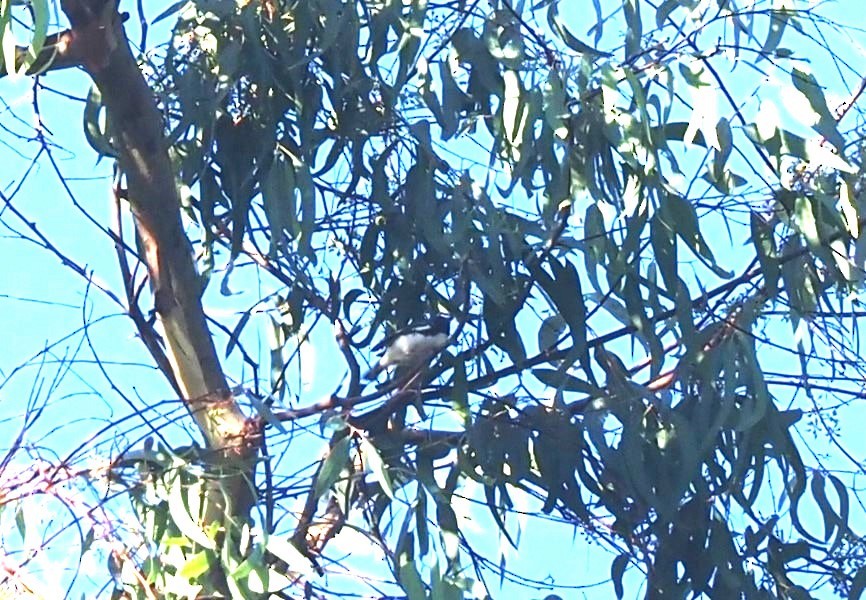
644	219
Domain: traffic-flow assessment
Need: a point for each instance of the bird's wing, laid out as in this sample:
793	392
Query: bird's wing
389	338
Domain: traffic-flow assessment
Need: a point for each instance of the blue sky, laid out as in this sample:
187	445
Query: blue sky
46	356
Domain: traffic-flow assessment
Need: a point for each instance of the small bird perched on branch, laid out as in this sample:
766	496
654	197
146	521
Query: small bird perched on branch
410	346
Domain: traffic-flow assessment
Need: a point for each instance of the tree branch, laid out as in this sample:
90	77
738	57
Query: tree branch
137	131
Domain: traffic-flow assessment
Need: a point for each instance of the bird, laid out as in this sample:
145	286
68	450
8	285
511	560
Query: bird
412	345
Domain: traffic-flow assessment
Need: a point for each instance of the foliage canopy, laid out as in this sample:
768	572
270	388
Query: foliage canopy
648	235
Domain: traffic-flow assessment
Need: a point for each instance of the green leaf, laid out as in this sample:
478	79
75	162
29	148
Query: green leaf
277	342
726	145
21	521
279	201
663	240
558	26
677	132
367	253
778	21
567	296
514	109
236	332
41	13
94	128
308	210
460	394
485	70
450	533
454	101
555	107
442	588
334	463
502	328
595	244
173	8
664	10
681	216
843	512
421	527
285	550
634	29
180	514
800	285
617	570
373	460
804	218
496	509
425	90
768	257
820	495
197	564
807	85
7	40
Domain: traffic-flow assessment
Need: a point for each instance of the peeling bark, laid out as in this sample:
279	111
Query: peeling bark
137	131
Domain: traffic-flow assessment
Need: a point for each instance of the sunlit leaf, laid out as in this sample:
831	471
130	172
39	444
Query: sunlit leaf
197	564
180	512
825	123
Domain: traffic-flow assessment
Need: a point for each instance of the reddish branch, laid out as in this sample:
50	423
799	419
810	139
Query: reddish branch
60	51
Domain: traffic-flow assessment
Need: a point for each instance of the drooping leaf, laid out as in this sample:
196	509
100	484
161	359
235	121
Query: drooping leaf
333	465
373	460
807	85
557	25
617	570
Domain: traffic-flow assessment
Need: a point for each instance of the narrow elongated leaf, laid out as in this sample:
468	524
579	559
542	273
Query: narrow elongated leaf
236	332
664	11
663	240
819	493
279	200
373	460
180	514
807	85
778	21
844	510
196	565
460	394
765	246
558	26
308	209
333	466
94	130
551	332
680	214
634	29
617	570
724	137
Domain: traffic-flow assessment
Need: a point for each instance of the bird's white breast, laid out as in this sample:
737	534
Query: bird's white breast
412	347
